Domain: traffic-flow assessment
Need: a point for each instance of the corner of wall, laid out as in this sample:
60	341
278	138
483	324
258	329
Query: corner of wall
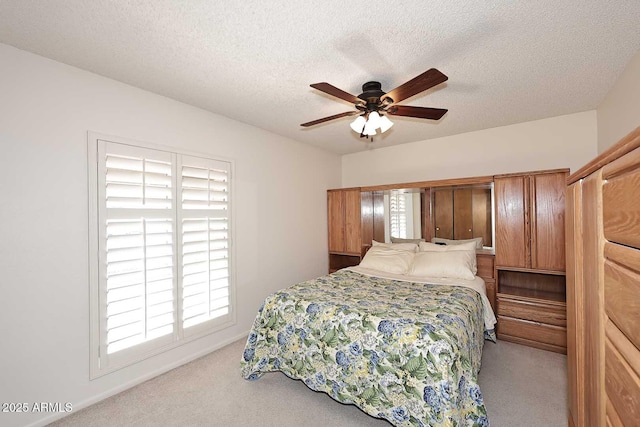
619	112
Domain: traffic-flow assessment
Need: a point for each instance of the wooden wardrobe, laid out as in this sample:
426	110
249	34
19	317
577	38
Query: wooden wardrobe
603	288
530	258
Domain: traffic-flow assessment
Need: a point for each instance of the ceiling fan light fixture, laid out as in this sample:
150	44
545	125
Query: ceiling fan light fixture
374	119
385	124
369	129
358	124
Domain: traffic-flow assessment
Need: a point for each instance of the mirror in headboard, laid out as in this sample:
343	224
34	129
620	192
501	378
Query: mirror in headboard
395	213
402	214
450	212
463	212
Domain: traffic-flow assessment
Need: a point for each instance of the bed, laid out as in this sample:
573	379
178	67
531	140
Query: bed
399	345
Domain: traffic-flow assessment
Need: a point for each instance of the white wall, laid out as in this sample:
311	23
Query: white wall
46	109
619	112
558	142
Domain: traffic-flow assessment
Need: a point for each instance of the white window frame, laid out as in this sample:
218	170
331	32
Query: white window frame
100	363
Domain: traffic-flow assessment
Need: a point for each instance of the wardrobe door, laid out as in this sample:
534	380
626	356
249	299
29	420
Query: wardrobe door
547	221
352	225
345	228
512	228
443	213
463	214
336	220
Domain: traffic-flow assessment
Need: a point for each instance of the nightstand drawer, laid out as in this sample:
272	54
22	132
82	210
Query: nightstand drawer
543	312
533	331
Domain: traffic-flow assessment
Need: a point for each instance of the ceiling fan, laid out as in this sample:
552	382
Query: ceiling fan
373	103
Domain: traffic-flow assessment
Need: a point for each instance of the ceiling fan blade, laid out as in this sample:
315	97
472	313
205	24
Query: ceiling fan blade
338	93
326	119
424	81
419	112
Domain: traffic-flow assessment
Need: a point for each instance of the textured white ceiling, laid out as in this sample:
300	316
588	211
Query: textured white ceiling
253	60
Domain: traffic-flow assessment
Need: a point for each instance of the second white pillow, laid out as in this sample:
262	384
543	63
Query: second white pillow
389	260
467	248
449	264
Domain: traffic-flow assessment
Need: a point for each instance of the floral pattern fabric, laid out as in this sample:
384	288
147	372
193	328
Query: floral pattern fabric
406	352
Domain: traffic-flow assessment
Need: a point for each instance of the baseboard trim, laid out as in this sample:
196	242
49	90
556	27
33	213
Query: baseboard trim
77	406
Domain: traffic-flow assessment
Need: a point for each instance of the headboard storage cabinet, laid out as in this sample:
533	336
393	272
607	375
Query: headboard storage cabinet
528	274
603	288
530	258
530	220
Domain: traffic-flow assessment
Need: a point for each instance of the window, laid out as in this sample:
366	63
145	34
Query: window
162	273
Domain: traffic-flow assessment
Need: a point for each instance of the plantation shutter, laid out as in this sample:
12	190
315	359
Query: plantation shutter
398	214
161	235
204	223
137	236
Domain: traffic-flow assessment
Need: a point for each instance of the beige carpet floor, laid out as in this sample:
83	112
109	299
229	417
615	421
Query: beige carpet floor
521	387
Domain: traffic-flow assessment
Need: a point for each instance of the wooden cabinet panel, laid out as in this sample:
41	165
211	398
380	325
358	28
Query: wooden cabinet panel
443	213
345	228
622	373
622	386
485	264
366	216
336	220
490	286
593	300
338	261
555	336
462	214
622	299
371	217
621	200
353	241
537	311
427	224
575	307
512	228
613	419
547	221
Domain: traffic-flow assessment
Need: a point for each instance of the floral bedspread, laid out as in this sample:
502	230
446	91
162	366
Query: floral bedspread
406	352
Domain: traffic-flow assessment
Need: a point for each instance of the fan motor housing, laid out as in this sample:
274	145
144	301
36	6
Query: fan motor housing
372	92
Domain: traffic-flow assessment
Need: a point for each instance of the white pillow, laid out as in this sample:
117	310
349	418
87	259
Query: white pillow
432	247
411	247
477	240
449	264
400	240
388	260
469	249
